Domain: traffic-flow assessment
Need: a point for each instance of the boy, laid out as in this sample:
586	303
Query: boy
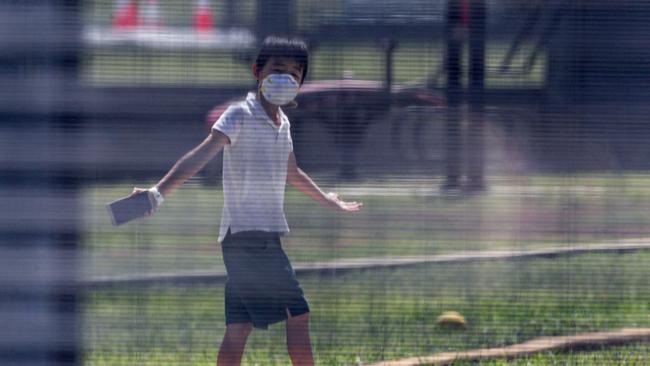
258	161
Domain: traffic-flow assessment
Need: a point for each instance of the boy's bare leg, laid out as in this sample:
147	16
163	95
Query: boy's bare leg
298	341
233	344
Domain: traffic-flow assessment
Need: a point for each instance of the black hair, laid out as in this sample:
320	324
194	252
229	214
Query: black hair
276	46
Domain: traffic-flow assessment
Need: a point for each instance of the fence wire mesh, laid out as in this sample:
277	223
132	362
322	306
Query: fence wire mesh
499	149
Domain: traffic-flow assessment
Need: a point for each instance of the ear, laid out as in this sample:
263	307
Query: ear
254	70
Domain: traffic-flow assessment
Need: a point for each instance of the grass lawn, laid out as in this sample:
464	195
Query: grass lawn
366	316
402	216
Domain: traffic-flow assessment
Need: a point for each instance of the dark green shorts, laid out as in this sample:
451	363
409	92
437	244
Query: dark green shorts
261	285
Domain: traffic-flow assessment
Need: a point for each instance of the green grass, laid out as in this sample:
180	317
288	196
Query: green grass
397	220
385	314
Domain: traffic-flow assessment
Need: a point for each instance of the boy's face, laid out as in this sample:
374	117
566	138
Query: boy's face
279	65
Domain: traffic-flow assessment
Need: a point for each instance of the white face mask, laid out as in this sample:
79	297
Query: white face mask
279	89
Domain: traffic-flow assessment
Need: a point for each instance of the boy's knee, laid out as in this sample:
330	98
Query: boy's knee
298	320
301	317
238	331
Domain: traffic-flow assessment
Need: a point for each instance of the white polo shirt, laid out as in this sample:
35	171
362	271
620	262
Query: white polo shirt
254	168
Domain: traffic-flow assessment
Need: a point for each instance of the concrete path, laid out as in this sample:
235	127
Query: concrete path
340	266
573	342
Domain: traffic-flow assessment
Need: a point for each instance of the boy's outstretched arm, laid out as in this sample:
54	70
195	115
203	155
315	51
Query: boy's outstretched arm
299	179
190	163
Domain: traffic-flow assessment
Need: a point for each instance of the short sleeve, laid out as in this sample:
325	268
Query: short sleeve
229	123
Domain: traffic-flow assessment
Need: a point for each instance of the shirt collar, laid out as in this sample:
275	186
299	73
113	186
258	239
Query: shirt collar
260	113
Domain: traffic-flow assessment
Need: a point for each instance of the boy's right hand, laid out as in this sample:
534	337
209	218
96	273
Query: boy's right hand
153	201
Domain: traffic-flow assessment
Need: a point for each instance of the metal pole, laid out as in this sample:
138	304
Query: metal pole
453	31
231	19
476	90
389	46
275	17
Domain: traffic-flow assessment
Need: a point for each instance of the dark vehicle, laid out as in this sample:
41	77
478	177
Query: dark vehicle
345	109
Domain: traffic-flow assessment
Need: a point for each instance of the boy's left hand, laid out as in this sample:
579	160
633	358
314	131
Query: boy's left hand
334	201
